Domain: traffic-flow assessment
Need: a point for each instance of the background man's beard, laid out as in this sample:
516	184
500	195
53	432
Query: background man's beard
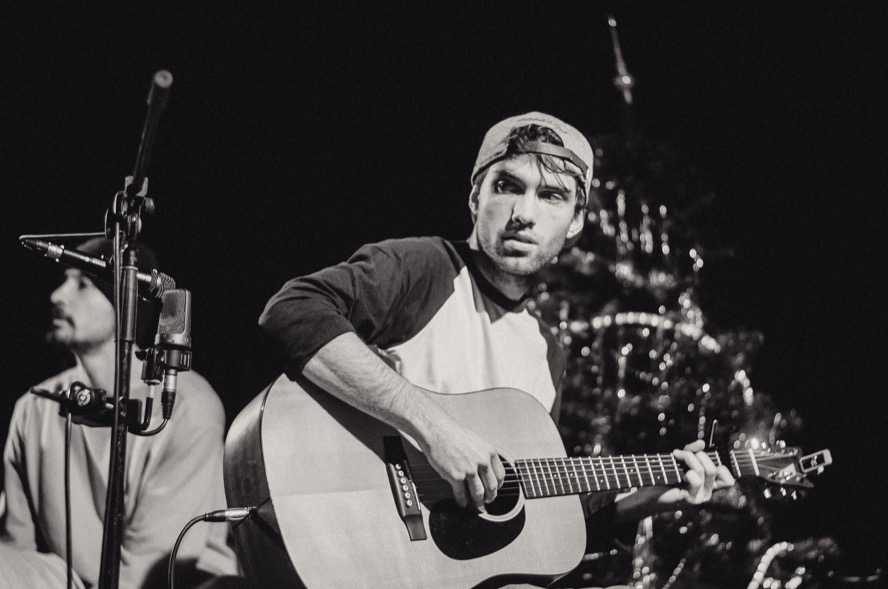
66	339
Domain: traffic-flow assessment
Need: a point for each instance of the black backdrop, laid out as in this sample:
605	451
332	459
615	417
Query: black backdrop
295	134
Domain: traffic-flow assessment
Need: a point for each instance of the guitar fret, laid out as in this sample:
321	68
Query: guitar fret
650	470
551	478
588	461
537	483
621	461
572	479
546	476
677	470
589	471
567	464
565	478
603	473
559	477
576	476
616	474
546	469
755	465
551	487
529	483
663	468
637	471
586	474
538	474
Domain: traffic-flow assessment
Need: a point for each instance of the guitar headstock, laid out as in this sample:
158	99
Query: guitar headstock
784	467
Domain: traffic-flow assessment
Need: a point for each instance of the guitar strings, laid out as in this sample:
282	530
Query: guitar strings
606	466
546	475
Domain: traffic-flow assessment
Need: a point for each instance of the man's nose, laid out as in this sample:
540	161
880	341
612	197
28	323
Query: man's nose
524	208
60	294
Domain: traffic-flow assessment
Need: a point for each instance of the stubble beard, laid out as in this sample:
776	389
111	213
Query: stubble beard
66	338
59	336
513	268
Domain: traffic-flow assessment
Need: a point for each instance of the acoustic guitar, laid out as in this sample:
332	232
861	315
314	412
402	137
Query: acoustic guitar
344	500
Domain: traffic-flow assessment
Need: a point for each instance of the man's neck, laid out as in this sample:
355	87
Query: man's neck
99	364
512	286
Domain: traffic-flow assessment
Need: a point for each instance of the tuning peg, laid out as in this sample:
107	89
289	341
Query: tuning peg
767	493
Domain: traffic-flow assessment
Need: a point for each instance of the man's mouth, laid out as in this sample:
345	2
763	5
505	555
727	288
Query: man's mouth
519	238
59	317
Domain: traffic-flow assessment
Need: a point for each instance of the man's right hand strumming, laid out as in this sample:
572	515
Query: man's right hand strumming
469	463
346	368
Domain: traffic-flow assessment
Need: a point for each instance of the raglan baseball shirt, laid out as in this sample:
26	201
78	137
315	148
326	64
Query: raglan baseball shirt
424	307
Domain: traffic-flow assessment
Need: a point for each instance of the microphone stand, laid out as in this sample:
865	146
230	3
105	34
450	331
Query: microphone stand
123	221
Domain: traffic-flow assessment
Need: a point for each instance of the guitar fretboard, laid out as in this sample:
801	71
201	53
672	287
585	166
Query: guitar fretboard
547	477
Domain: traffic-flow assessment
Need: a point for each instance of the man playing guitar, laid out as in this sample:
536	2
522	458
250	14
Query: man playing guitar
405	317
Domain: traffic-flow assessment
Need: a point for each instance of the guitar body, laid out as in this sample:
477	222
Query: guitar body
320	471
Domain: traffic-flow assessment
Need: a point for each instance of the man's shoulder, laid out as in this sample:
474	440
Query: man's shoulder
32	408
197	398
428	245
195	384
61	380
429	253
53	384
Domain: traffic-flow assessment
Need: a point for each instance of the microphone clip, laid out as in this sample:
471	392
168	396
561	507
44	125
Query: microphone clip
156	360
87	406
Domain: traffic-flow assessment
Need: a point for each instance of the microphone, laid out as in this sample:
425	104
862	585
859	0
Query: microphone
158	95
173	343
151	285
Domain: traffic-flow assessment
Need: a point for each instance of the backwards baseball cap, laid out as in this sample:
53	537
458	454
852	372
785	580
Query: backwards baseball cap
576	149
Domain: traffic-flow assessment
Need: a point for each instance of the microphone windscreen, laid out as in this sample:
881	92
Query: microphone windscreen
174	325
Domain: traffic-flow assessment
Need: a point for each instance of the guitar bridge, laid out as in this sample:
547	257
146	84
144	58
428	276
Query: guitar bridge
403	487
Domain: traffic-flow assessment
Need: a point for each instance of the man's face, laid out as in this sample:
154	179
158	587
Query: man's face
82	317
524	213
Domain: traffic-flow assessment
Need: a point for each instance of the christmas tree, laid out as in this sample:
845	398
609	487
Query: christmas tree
649	371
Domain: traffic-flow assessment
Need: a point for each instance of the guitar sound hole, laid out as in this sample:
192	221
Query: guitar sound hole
507	497
462	535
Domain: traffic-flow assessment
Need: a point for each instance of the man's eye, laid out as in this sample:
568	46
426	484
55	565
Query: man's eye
503	186
552	196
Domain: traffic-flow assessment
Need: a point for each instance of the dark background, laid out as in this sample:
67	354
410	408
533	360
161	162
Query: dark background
293	135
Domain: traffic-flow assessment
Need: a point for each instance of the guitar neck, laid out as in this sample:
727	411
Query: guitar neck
548	477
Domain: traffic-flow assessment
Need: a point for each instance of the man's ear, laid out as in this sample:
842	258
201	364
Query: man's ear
473	202
577	223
